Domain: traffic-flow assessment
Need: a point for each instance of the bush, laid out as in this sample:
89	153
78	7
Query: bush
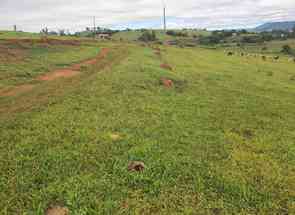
286	49
148	36
177	33
210	40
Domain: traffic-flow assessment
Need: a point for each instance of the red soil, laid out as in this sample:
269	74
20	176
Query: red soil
167	82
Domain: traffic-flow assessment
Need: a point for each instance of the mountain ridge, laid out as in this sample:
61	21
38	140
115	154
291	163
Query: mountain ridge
269	26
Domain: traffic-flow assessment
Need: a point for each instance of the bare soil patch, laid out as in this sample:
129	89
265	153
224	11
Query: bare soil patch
63	73
57	210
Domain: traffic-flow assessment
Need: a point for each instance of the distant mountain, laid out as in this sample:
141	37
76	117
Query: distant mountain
275	26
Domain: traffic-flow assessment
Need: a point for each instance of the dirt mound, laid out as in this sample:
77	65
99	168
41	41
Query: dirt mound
166	66
167	82
136	166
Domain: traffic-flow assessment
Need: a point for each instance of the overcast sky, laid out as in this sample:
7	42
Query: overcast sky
32	15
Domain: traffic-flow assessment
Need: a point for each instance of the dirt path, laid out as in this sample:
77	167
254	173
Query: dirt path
59	73
16	90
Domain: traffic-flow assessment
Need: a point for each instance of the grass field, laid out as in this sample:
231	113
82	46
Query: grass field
220	141
268	48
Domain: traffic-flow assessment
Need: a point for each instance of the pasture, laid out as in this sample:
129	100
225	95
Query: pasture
215	132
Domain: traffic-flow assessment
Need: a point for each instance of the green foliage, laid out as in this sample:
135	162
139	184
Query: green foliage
148	36
210	40
286	49
177	33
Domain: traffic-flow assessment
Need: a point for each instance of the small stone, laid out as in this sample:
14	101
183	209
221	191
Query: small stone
115	137
137	166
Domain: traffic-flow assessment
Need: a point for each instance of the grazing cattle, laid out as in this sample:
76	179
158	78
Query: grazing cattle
276	57
242	54
230	53
264	58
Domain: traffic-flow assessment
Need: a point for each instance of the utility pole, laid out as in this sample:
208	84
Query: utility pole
165	27
14	28
94	28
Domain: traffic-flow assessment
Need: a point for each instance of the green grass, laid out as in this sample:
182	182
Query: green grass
221	141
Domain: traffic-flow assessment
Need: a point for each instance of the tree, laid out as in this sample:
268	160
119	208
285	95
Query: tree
286	49
44	31
293	32
61	32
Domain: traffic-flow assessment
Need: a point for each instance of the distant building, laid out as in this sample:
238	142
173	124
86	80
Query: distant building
103	36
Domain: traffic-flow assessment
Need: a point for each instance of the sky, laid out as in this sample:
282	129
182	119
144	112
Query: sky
75	15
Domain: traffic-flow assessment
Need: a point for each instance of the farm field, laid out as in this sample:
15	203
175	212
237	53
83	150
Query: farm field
215	132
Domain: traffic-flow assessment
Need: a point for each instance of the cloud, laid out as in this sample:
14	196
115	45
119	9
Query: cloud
32	15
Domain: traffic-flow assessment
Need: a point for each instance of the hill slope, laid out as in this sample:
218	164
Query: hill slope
219	141
276	26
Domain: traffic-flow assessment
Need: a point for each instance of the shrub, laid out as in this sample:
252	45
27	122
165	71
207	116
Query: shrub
177	33
148	36
210	40
286	49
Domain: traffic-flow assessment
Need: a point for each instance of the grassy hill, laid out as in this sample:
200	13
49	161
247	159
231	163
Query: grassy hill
220	140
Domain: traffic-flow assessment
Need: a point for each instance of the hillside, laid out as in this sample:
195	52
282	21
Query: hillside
215	132
275	26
